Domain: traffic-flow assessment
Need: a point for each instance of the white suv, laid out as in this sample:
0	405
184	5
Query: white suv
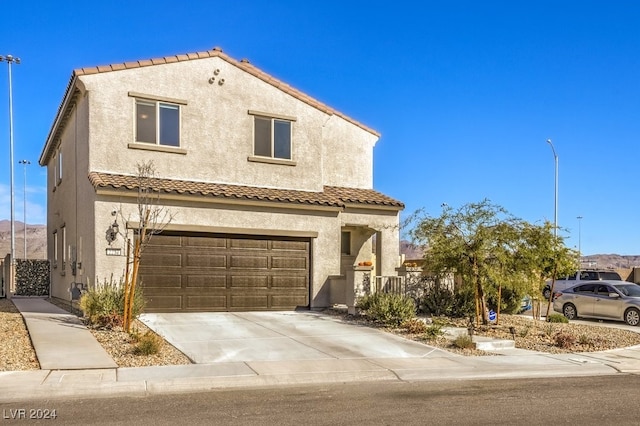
578	277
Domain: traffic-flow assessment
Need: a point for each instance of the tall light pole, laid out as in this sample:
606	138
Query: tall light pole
25	163
555	193
579	238
10	60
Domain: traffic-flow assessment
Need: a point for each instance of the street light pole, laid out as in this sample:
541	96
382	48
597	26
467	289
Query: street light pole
579	238
24	163
10	60
555	193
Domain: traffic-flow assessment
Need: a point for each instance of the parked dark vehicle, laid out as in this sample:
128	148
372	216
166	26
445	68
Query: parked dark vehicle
607	299
577	278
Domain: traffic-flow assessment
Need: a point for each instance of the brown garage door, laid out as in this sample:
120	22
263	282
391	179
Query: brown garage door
204	272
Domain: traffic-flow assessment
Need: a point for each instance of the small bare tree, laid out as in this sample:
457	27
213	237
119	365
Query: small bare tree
152	219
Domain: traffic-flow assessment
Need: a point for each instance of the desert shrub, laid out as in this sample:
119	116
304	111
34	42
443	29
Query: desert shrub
148	344
103	305
433	331
463	341
549	329
438	301
388	309
564	340
557	318
414	326
464	304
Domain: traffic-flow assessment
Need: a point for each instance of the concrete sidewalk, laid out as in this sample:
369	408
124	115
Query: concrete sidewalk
59	338
434	365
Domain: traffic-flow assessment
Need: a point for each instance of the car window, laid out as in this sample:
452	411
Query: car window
610	276
631	290
604	290
572	277
585	288
589	275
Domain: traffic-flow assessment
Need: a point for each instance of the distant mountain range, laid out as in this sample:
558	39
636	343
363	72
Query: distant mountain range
36	240
615	261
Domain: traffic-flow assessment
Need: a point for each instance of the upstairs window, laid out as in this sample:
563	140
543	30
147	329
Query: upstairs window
157	122
272	138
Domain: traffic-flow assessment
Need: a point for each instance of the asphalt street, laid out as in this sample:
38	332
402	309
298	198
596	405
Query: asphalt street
582	400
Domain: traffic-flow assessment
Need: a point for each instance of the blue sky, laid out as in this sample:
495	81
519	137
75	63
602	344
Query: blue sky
465	93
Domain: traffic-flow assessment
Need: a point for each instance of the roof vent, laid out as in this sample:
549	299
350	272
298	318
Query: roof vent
217	49
245	61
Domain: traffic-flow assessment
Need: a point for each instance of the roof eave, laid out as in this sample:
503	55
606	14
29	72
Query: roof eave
64	106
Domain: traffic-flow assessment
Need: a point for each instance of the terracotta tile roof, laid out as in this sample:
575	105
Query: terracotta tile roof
243	64
331	196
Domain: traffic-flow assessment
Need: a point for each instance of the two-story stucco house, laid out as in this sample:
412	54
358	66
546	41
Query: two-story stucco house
271	191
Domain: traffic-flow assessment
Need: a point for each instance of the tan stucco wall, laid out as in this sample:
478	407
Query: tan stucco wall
217	131
217	138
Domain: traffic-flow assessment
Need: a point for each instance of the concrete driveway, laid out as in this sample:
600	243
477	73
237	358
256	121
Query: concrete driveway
277	336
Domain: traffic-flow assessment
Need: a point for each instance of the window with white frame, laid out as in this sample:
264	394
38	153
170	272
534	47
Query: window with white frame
157	122
63	231
55	249
59	175
272	137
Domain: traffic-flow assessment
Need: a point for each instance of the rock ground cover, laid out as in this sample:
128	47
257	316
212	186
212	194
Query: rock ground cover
16	351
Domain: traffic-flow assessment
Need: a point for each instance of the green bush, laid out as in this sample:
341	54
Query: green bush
433	331
388	309
557	318
439	301
464	304
148	344
103	305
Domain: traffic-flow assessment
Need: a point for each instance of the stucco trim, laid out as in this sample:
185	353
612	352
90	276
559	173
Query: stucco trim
271	115
232	230
269	160
156	147
226	201
157	98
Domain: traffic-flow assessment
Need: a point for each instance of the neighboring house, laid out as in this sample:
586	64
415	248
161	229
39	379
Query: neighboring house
271	190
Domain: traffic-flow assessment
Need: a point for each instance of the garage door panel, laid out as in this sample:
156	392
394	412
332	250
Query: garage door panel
163	303
249	262
162	258
216	272
206	303
290	245
206	261
205	241
206	281
289	282
297	263
166	281
255	301
288	301
249	281
165	241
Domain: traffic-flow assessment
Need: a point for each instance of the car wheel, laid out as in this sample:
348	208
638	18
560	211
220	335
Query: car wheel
570	312
632	316
546	293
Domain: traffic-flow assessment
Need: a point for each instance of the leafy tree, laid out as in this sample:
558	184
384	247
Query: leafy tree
491	250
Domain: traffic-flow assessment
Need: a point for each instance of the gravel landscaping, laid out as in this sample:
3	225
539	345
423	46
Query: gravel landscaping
16	351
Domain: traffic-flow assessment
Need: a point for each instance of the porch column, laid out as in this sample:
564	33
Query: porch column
358	284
